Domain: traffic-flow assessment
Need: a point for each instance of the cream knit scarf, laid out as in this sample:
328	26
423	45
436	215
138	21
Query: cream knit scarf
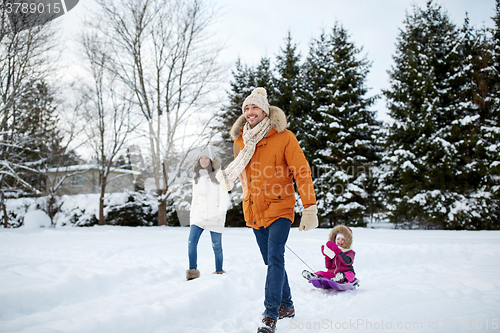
251	136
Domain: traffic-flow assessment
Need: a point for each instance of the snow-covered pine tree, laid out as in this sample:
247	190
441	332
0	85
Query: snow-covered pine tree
430	146
245	79
39	141
123	162
472	207
339	128
486	97
265	77
288	95
491	129
241	86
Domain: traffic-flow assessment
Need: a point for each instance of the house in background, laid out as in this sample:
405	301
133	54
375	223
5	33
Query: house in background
84	179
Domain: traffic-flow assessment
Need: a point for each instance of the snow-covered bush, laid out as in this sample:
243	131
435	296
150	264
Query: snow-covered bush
17	209
137	210
37	219
124	209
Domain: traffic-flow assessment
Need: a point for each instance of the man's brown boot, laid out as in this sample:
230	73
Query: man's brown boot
270	326
286	312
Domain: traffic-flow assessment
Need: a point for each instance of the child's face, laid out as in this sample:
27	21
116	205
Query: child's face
340	241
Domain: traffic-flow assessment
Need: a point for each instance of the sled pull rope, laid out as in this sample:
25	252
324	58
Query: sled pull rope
312	270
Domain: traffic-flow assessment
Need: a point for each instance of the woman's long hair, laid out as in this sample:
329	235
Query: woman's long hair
210	169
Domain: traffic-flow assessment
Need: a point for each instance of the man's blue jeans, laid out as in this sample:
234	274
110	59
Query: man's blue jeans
194	236
272	241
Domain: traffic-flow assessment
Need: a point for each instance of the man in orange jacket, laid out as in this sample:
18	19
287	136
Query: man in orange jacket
267	160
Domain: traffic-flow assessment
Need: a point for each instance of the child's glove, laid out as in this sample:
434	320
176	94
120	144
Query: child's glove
334	247
330	250
323	251
328	260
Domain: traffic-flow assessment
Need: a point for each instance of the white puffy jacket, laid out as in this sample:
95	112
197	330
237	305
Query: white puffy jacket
209	204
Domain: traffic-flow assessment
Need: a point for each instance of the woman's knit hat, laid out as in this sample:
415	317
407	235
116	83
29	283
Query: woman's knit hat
257	97
208	152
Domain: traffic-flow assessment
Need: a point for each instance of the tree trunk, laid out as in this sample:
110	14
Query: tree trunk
51	209
101	202
4	210
162	208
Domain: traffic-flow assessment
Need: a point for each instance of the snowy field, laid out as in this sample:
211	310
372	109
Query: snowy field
119	279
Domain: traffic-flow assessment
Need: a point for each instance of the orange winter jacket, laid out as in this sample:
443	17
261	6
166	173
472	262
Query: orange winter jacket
268	191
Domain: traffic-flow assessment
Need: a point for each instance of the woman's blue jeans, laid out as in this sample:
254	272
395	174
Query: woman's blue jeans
272	241
194	236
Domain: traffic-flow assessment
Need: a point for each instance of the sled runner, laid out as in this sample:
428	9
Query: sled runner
325	283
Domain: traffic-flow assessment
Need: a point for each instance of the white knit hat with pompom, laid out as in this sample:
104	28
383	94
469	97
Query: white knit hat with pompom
257	97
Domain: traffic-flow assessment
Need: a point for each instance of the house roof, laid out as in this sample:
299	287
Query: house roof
88	167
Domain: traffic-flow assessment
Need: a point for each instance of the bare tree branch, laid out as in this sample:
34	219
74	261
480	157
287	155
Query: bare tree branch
108	114
161	52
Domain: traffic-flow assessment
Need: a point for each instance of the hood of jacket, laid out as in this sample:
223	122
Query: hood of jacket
276	116
344	231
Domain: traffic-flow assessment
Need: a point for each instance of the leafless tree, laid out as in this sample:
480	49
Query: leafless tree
71	124
108	117
162	52
23	58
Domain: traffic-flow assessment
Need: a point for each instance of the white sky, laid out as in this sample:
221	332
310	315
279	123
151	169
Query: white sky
252	29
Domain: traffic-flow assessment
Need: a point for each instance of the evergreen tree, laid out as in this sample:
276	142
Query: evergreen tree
264	77
39	139
245	80
491	130
288	95
339	130
241	87
469	209
484	94
123	162
432	145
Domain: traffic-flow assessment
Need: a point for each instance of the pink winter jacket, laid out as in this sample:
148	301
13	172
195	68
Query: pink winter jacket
344	260
341	263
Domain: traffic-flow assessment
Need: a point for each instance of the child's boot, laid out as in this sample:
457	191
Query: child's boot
339	277
308	275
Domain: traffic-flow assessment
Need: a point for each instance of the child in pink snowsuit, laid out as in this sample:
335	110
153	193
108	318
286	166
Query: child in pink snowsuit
339	257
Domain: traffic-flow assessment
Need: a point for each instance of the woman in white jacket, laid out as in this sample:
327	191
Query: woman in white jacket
208	211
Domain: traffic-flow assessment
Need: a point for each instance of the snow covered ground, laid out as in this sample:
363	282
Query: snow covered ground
119	279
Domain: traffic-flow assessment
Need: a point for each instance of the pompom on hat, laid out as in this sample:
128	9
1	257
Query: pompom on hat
257	97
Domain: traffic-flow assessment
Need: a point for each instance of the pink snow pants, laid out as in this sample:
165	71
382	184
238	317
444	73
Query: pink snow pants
349	275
